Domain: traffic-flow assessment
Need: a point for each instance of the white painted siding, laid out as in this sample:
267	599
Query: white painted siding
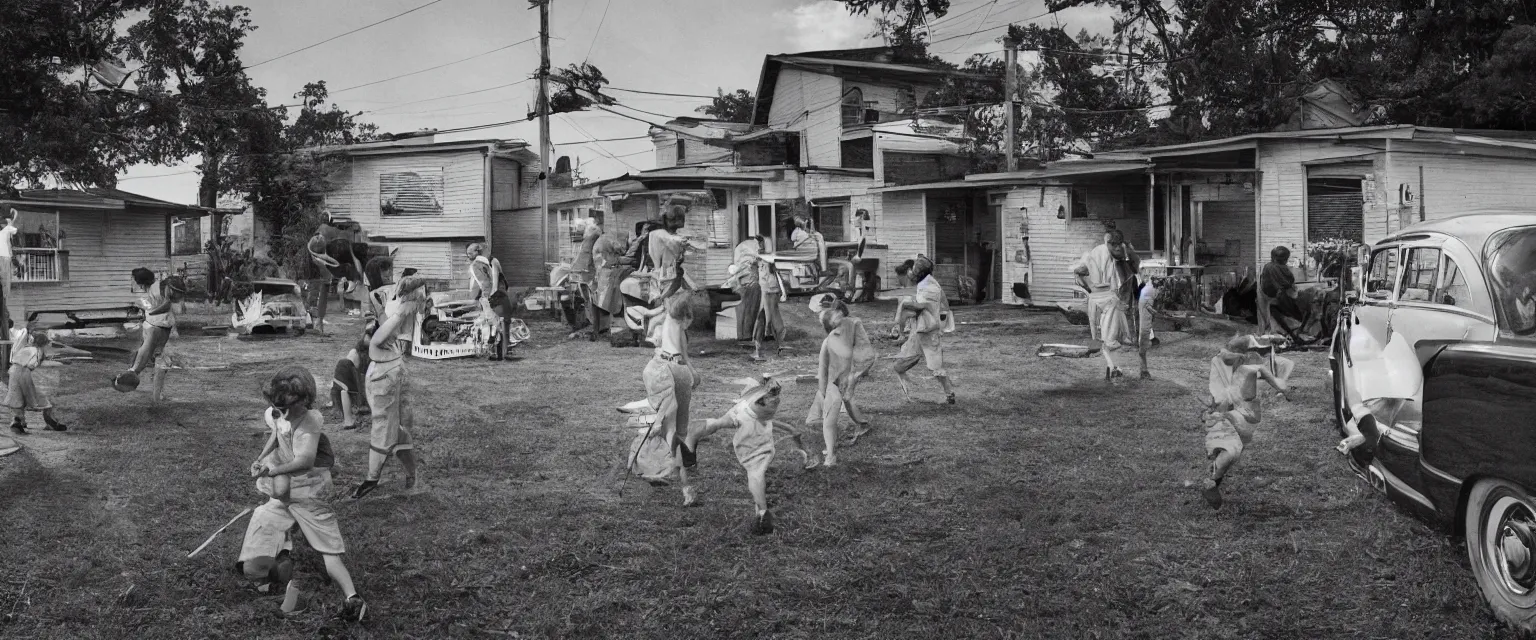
902	225
1282	194
356	196
441	260
1054	244
1453	185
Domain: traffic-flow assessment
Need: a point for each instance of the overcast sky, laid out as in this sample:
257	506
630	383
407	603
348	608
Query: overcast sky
672	46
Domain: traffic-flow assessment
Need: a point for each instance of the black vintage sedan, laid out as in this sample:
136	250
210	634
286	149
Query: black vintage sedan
1462	293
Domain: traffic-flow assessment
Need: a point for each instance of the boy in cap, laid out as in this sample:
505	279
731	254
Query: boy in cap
756	432
1233	407
925	341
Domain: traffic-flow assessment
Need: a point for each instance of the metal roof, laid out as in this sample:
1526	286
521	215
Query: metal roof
846	62
99	198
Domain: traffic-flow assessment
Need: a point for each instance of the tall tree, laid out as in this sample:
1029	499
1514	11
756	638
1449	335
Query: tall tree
730	107
56	122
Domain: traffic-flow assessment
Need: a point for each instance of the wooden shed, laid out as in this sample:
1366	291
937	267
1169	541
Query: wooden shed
78	248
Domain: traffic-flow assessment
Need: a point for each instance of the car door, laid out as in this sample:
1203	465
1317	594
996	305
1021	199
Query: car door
1373	313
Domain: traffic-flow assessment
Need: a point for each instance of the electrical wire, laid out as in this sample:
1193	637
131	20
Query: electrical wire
1001	26
446	64
983	23
600	148
333	38
646	137
455	95
662	93
162	175
599	31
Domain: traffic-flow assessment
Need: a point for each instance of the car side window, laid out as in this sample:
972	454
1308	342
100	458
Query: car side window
1382	275
1453	290
1511	256
1419	273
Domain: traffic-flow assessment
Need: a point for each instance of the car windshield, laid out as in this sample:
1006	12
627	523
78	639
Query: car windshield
1512	268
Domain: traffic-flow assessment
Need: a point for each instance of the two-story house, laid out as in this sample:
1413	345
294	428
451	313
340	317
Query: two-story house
828	128
429	200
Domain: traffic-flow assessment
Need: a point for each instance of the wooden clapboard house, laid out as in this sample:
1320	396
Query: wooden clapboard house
77	249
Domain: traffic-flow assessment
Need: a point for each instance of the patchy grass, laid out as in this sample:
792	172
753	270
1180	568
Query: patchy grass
1046	504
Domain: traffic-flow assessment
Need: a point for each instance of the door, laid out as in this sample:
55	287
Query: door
758	219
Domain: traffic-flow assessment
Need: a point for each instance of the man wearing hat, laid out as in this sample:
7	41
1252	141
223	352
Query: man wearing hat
756	431
1233	407
925	341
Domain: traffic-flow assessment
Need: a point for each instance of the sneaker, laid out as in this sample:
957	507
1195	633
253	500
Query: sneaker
689	496
353	609
19	428
1146	375
949	399
810	459
364	489
1212	493
349	427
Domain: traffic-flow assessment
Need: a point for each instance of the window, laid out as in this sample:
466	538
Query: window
1419	273
1512	268
186	235
682	150
39	248
1079	204
1382	274
853	107
830	222
1453	288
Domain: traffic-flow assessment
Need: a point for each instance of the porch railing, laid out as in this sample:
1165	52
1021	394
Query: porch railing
39	265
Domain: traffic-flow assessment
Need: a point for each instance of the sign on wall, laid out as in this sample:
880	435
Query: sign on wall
418	192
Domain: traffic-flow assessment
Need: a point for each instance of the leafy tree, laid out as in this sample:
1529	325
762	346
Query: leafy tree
731	107
59	127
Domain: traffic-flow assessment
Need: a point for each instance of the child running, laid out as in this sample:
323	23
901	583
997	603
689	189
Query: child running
756	432
158	321
1233	408
847	355
23	394
925	341
294	470
347	384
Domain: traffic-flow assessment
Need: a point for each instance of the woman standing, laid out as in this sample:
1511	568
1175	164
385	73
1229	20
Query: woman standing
607	302
669	384
389	393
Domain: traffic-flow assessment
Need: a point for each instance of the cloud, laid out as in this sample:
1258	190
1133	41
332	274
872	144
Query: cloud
826	24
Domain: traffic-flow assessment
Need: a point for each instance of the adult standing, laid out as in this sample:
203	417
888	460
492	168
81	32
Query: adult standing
743	281
771	290
607	302
8	269
489	288
379	274
1099	272
667	248
584	274
319	280
389	393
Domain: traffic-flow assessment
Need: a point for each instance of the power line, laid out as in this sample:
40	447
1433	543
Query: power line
983	23
1001	26
455	95
332	38
602	140
951	18
161	175
446	64
600	148
599	30
662	93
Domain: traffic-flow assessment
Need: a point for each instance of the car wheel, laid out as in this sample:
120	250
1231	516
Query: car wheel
1501	544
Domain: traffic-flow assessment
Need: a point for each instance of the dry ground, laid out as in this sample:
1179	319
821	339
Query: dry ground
1046	504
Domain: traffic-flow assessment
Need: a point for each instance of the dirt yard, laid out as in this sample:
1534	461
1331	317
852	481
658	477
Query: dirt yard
1046	504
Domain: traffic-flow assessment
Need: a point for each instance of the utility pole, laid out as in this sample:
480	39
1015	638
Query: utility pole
544	169
1010	93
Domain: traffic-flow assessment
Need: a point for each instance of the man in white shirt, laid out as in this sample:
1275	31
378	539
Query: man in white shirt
1098	271
7	269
